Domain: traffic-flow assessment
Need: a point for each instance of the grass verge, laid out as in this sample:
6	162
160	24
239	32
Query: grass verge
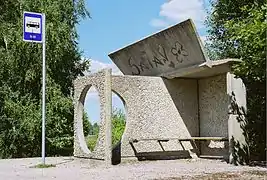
44	166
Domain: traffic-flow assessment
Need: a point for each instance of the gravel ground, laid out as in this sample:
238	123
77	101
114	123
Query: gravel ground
68	168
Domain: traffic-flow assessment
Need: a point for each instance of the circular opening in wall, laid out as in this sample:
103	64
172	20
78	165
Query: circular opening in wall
91	117
118	119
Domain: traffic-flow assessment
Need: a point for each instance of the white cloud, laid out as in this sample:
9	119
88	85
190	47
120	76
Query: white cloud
96	66
158	23
175	11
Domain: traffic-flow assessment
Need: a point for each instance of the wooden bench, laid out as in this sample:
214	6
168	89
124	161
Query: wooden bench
182	139
191	139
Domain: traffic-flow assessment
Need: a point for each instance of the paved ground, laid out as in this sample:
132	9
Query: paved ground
68	168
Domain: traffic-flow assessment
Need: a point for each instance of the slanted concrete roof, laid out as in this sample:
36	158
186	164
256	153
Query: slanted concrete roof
174	52
172	49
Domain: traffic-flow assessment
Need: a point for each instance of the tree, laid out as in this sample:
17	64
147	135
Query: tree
22	60
237	29
118	125
20	77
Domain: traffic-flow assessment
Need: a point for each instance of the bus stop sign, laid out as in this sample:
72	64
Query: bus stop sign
32	27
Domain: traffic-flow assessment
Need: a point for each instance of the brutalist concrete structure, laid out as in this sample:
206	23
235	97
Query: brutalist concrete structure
179	104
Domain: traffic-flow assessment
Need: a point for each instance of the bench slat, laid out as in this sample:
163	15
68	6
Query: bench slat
211	138
182	139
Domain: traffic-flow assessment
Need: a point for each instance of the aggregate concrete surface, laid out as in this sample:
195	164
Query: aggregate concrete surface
68	168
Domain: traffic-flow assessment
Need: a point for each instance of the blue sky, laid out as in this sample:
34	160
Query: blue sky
117	23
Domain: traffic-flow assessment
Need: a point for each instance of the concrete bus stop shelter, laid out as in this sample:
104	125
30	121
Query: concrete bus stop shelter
179	104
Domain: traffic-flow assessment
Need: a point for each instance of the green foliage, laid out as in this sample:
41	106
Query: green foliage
94	130
86	124
118	126
20	78
21	60
59	123
44	166
91	141
90	132
237	29
19	127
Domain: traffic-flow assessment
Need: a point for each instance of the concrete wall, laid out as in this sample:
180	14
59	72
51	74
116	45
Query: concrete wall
217	97
157	108
236	122
213	114
161	108
102	82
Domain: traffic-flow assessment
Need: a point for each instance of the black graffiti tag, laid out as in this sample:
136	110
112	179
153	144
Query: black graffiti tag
159	58
179	52
133	66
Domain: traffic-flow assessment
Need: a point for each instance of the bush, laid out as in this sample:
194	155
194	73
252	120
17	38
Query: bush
118	126
91	141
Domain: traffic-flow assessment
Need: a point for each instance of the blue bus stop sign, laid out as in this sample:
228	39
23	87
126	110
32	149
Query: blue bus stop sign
32	27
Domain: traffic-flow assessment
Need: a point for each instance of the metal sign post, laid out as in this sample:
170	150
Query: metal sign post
34	31
43	91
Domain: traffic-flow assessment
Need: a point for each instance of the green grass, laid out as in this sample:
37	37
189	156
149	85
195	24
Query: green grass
43	166
91	141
